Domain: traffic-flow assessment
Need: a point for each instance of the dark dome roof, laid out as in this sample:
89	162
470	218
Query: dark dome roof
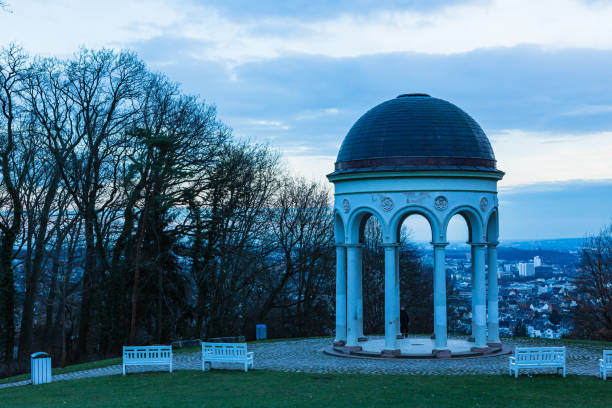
415	132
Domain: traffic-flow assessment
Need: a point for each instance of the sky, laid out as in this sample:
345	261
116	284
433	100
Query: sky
536	75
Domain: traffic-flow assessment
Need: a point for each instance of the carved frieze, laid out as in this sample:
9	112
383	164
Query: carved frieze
441	203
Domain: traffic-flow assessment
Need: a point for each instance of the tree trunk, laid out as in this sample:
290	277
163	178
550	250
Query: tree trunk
25	337
87	285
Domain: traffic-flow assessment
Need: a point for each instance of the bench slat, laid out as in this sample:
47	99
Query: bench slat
147	355
537	357
605	364
226	352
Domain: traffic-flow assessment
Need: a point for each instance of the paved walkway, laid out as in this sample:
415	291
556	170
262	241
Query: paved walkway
307	356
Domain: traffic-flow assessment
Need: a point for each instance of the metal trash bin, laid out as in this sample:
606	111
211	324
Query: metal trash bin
261	332
41	368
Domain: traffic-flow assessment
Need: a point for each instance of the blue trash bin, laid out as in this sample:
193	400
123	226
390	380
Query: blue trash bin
261	332
41	368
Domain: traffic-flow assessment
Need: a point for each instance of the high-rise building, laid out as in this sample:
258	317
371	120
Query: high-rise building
526	269
537	261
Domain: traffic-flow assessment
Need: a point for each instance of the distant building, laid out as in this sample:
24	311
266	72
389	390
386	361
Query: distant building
543	271
537	261
526	269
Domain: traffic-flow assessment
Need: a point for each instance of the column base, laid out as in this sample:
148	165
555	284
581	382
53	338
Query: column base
339	343
481	349
390	353
362	339
399	336
350	349
471	339
444	353
494	345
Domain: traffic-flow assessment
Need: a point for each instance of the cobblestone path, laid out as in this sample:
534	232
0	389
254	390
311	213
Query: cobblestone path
307	356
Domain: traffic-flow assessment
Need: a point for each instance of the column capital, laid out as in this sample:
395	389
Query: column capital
354	245
390	245
492	244
439	244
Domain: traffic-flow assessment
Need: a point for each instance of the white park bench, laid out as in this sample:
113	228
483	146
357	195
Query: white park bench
147	355
605	364
226	353
537	357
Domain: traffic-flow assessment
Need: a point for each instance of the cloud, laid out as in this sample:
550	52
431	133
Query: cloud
458	28
60	27
314	167
235	33
570	209
315	9
529	157
520	97
316	114
545	107
268	123
587	110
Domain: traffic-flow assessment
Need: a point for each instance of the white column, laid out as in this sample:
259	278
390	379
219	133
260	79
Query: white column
359	282
353	263
340	294
440	295
472	284
396	310
480	310
390	301
493	293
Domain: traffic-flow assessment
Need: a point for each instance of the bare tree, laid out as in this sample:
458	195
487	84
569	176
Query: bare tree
101	86
301	229
229	217
593	315
129	213
49	111
416	281
14	167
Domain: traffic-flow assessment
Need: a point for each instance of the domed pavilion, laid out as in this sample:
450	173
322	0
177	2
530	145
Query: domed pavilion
415	154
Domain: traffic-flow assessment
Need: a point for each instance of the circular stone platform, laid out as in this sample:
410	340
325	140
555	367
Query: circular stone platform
416	347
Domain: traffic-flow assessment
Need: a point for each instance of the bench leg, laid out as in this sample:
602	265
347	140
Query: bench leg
170	367
516	372
123	369
246	366
563	371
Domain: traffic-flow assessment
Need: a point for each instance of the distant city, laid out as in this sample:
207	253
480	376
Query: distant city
536	286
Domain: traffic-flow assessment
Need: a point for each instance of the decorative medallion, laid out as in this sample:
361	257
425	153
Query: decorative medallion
346	205
386	203
441	203
484	203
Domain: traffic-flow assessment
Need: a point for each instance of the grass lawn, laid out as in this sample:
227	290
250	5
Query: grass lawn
67	369
261	388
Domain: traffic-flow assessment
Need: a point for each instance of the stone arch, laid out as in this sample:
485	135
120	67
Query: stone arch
357	221
404	212
493	227
339	230
473	220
